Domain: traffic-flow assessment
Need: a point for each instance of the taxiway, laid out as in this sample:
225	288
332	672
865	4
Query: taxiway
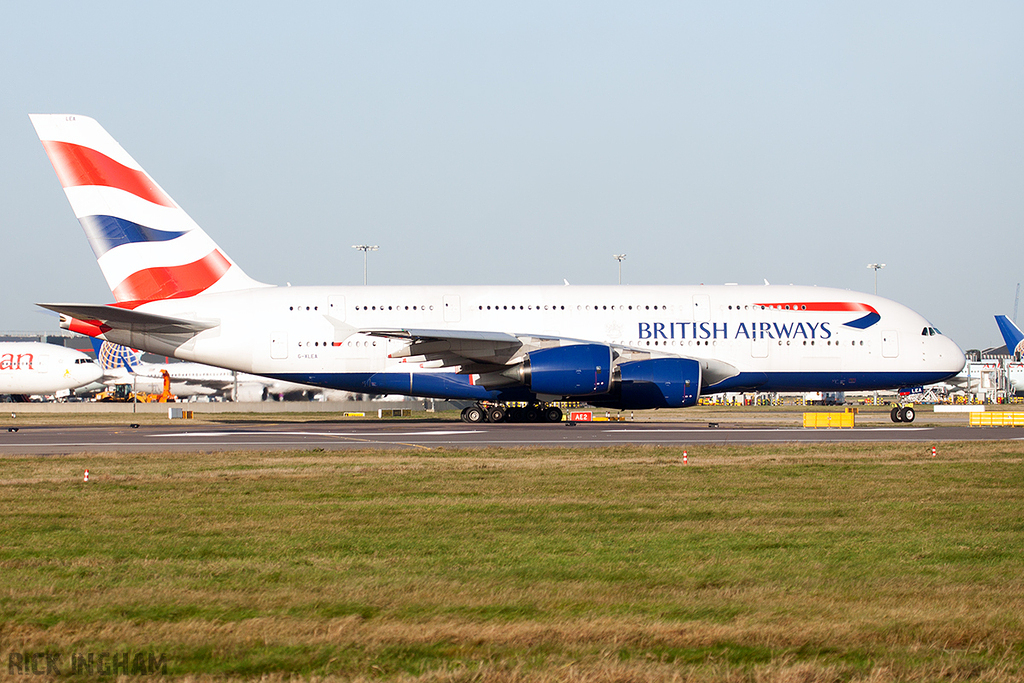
55	440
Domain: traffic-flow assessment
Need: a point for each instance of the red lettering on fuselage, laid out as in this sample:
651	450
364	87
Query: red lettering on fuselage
23	361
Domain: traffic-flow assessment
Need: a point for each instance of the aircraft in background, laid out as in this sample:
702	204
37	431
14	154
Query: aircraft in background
122	365
1014	339
1011	335
29	368
514	351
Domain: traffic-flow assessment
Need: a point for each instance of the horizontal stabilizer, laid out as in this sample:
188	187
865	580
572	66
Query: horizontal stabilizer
114	317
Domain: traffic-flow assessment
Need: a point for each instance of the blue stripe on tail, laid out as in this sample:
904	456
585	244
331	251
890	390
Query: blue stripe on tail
107	232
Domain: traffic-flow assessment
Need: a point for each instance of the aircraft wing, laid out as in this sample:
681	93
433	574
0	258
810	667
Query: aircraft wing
473	351
114	317
489	353
419	334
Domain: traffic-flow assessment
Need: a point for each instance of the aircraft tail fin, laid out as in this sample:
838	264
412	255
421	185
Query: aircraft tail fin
1011	333
113	356
147	246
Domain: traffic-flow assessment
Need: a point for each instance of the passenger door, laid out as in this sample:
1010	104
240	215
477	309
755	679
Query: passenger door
890	344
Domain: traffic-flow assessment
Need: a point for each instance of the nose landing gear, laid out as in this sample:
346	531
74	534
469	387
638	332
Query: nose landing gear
902	414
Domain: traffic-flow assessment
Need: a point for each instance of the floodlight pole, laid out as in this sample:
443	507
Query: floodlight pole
876	267
619	258
365	248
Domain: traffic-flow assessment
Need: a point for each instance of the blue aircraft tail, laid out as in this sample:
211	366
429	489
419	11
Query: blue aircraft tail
1011	333
112	356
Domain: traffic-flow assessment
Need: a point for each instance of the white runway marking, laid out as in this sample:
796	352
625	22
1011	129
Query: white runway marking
323	434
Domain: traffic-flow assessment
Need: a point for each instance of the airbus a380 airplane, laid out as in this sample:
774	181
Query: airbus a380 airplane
28	368
177	293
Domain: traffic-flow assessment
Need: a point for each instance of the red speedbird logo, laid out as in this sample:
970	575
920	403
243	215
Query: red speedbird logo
861	323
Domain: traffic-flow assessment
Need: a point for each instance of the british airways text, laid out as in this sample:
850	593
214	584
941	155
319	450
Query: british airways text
754	330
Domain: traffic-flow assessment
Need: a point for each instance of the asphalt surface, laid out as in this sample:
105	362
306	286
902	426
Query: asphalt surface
57	440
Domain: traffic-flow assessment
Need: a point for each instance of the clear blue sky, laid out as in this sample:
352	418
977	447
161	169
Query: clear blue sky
524	143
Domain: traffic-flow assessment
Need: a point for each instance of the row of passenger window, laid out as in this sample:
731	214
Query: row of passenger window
394	308
579	307
368	308
647	342
707	343
316	344
764	307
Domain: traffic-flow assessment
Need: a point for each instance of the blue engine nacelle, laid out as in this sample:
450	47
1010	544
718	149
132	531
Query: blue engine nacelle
659	383
580	370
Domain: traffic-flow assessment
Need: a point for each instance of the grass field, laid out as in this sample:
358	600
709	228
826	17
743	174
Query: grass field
774	563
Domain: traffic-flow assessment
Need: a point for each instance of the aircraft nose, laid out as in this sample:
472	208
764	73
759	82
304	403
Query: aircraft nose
91	373
951	356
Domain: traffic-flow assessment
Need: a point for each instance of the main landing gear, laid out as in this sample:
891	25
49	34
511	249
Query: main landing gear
902	414
534	412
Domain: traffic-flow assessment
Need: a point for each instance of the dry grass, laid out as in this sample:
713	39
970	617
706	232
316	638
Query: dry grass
763	563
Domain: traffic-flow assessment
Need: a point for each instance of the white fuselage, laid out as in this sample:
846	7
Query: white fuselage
312	334
37	368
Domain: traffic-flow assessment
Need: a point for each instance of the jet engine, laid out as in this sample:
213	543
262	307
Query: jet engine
578	370
658	383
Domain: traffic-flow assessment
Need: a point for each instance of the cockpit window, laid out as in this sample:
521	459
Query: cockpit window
930	332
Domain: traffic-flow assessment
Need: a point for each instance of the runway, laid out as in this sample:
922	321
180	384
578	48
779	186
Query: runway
56	440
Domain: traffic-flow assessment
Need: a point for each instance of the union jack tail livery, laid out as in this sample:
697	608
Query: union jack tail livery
147	246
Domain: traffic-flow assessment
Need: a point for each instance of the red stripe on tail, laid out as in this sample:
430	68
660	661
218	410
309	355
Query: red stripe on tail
173	282
77	165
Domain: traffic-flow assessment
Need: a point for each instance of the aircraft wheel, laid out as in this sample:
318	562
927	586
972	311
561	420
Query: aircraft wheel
475	414
462	416
515	415
896	415
495	414
531	414
553	414
907	414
